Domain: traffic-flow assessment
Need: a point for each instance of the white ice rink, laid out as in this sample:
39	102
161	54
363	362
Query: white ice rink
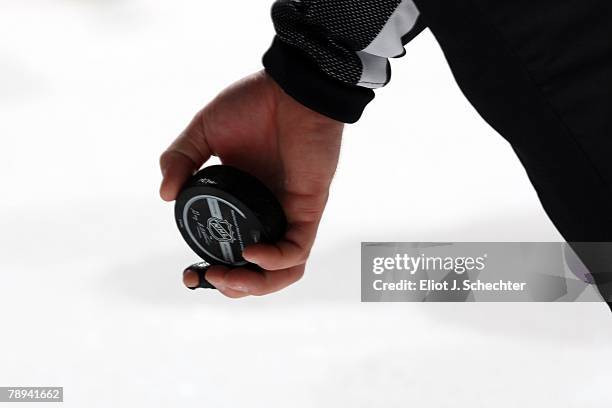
92	91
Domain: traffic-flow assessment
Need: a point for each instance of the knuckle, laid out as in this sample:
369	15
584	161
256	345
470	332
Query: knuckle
164	157
299	275
302	257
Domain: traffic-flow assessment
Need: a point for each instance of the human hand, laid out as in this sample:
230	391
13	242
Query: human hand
255	126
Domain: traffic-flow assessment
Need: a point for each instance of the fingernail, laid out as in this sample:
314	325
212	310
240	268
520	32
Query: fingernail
249	258
191	279
218	285
238	288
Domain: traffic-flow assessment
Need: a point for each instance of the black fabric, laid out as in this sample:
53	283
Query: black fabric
540	73
418	28
300	78
315	55
331	31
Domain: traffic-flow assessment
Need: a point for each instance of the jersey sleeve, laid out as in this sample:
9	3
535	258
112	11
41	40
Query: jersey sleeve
331	54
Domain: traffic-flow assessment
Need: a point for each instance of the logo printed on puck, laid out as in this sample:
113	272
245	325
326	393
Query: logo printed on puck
221	210
221	230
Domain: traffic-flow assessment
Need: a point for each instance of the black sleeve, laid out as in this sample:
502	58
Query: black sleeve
330	54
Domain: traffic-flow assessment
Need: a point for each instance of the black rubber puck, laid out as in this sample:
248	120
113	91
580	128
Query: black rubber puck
221	210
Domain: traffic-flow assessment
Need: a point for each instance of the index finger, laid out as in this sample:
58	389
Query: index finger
249	282
183	157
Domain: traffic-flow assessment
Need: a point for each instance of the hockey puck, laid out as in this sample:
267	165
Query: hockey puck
221	210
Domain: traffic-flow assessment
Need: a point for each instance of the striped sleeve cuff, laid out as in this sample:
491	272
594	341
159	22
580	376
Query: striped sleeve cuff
301	79
330	55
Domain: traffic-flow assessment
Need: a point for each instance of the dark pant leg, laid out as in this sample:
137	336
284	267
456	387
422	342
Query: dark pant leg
540	73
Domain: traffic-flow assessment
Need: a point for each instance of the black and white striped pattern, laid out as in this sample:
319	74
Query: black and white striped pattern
349	40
